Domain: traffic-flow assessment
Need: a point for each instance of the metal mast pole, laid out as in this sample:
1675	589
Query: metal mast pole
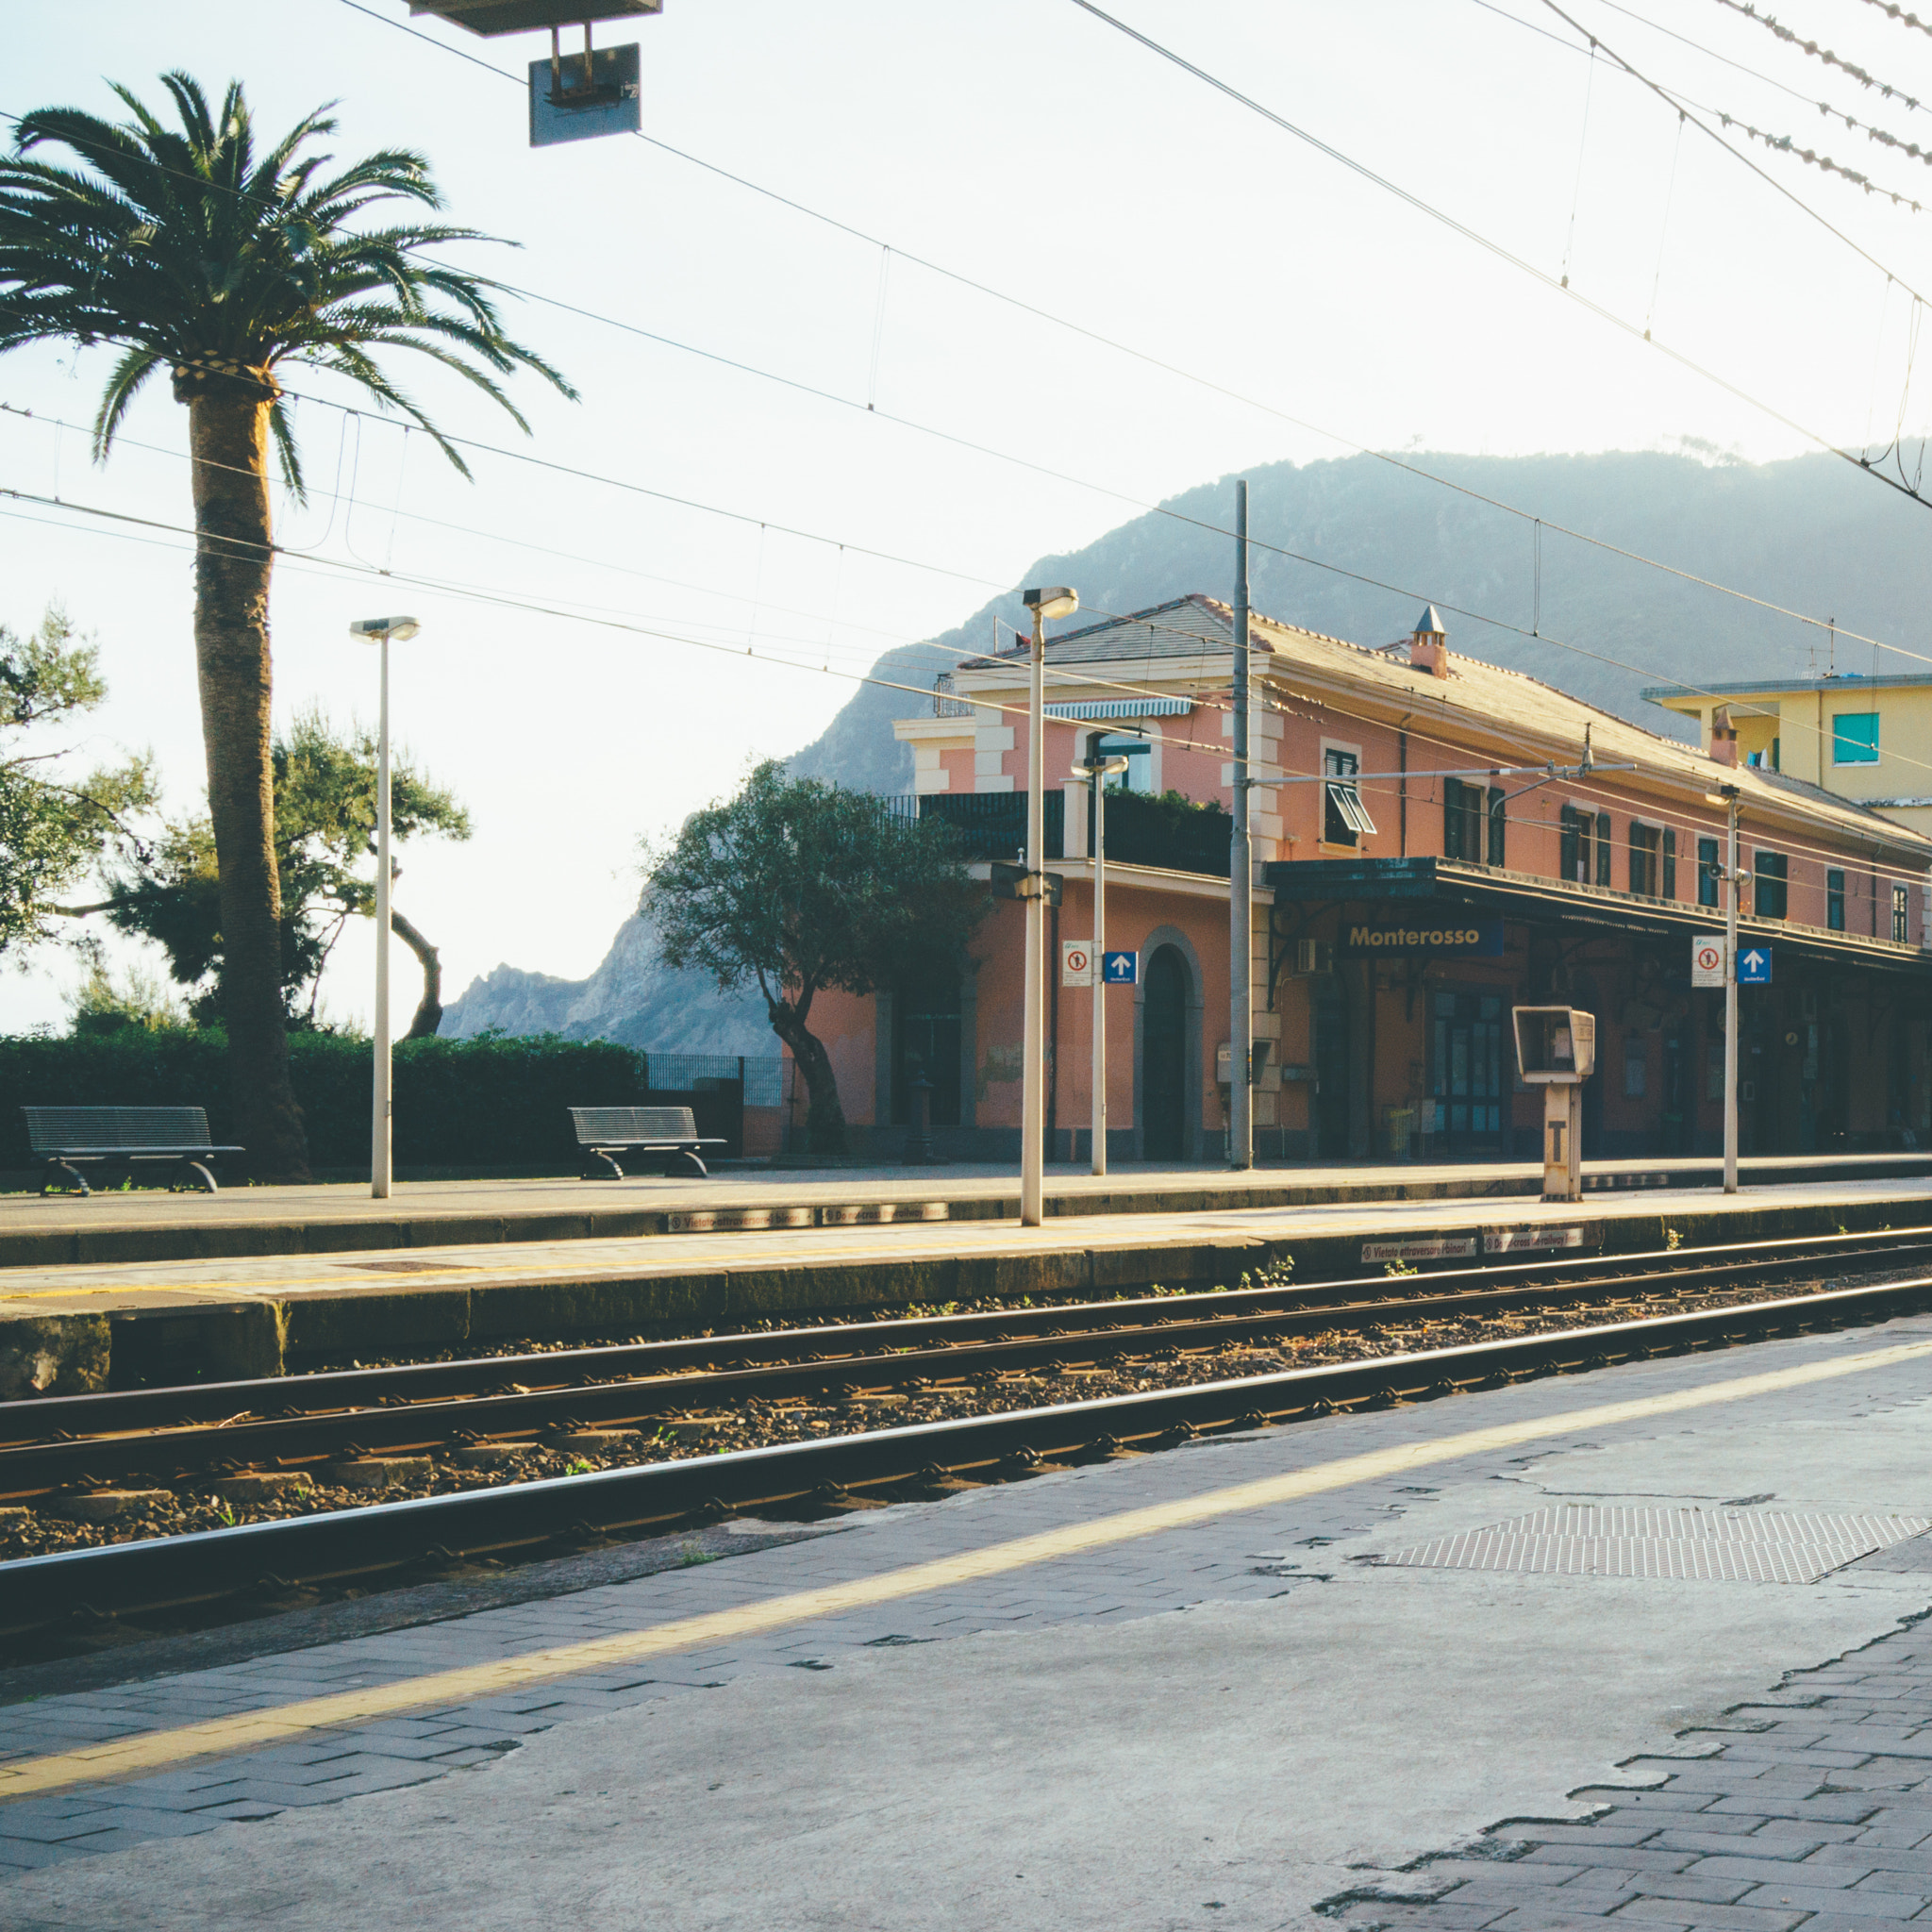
1240	898
1033	1074
1731	1002
379	1116
1099	953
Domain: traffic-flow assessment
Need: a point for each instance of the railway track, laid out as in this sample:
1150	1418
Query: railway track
193	1576
293	1422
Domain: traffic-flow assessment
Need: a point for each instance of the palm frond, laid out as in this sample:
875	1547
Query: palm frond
287	453
134	368
180	243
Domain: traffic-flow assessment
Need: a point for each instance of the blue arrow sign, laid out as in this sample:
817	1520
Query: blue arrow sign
1120	969
1753	966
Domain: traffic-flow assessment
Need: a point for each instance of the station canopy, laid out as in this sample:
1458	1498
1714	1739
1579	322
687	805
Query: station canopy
491	18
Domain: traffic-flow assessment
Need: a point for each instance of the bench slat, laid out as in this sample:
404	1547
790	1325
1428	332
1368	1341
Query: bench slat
118	1129
612	1126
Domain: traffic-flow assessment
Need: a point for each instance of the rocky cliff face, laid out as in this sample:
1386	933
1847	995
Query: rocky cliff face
632	998
1808	533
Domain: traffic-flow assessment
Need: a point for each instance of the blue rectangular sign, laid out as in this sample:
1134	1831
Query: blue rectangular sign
1754	965
1120	969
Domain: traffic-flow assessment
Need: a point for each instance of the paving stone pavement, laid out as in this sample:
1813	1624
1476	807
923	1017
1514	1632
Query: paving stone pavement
1813	1808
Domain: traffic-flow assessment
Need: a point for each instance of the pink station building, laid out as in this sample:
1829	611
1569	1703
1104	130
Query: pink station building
1443	840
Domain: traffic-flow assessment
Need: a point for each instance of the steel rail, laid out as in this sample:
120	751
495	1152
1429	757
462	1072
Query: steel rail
523	1520
412	1408
114	1437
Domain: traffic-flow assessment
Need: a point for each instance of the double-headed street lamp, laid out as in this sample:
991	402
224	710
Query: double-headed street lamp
380	630
1096	772
1058	601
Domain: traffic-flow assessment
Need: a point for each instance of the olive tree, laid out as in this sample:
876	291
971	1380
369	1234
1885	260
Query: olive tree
798	887
56	822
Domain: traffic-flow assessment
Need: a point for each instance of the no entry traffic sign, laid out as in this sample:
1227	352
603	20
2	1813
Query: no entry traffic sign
1076	963
1707	959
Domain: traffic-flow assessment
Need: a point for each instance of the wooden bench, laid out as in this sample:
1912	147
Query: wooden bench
67	1137
667	1133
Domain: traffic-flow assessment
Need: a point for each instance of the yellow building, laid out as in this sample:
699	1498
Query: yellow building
1867	739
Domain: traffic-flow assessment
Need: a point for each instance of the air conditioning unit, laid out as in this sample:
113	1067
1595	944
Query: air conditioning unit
1313	956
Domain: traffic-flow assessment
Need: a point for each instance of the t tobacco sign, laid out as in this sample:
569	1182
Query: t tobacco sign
1429	932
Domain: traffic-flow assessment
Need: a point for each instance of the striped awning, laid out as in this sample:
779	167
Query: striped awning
1123	707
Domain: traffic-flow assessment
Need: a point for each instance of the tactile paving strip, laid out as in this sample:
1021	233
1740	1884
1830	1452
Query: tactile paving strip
1716	1545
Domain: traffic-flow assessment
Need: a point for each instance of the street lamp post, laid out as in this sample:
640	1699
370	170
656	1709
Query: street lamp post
1057	601
380	630
1096	772
1730	797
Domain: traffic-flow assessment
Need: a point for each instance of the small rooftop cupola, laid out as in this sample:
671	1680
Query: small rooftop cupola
1428	648
1723	736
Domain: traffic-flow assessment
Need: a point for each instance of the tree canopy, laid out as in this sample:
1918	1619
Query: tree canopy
798	887
194	251
57	821
324	816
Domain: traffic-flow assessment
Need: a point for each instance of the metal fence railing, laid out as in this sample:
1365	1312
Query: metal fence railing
763	1074
985	825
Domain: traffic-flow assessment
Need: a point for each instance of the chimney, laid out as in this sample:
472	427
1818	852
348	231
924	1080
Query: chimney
1723	736
1428	648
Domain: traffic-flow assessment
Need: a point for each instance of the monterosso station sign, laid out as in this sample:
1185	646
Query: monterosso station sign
1452	932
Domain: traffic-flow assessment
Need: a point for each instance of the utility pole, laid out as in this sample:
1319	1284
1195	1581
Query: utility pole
1097	771
1241	896
1730	798
1056	602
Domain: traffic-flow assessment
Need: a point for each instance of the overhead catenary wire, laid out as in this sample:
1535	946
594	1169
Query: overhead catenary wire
1022	305
1823	53
1122	496
1880	135
469	591
1519	262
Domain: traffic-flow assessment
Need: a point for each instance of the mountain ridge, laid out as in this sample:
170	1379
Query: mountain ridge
1805	533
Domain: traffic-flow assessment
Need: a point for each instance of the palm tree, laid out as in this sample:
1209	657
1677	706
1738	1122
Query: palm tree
187	253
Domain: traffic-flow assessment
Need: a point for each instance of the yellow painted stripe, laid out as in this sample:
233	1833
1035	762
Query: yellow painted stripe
155	1750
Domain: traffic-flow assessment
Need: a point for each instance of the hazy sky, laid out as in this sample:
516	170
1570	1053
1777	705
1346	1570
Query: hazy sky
1023	144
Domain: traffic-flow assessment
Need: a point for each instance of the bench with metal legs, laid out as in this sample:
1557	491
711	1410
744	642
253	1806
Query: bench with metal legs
117	1138
667	1135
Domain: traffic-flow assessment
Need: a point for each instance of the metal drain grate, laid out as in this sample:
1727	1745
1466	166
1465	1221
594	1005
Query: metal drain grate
1716	1545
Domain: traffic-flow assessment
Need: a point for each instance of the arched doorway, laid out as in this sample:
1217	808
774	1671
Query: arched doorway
1164	1057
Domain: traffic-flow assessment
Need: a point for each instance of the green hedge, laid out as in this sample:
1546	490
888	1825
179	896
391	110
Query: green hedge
458	1103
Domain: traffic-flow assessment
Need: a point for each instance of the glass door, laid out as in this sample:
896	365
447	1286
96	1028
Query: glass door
1466	1073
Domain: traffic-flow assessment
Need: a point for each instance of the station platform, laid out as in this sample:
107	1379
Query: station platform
65	1327
1642	1643
148	1224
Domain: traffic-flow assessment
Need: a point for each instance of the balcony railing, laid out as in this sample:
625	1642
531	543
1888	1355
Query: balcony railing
944	704
1167	833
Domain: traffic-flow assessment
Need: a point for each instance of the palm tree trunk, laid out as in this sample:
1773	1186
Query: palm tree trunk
227	437
429	1008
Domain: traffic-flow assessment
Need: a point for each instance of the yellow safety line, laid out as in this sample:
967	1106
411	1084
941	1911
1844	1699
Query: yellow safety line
247	1730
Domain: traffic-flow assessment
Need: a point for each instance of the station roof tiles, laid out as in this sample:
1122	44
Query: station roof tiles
1483	699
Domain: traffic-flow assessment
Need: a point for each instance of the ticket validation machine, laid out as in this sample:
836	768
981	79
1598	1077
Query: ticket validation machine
1556	1050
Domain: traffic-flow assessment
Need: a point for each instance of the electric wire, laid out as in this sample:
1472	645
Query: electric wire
1823	53
1120	496
1031	309
1519	262
468	591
